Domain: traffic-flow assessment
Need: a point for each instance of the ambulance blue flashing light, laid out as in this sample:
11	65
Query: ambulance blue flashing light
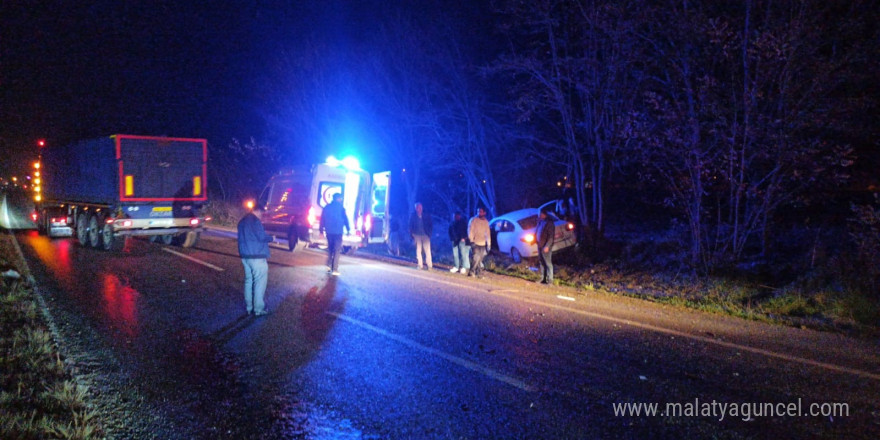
349	163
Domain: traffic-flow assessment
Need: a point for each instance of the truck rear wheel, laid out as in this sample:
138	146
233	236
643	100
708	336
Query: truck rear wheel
95	231
108	240
192	239
82	229
186	239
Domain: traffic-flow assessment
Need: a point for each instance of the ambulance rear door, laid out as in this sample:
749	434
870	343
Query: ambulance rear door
379	196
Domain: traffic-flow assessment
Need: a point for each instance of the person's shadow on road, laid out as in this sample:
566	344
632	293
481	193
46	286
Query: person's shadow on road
297	329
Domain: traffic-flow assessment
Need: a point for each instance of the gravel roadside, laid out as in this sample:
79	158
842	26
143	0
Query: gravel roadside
123	412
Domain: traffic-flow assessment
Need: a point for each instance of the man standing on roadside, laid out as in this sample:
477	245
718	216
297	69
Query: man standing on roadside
420	228
481	240
458	233
545	235
253	247
333	220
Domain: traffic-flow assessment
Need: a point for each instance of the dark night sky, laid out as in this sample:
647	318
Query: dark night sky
76	70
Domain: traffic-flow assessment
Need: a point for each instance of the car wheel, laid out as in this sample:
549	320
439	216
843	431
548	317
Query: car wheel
515	255
292	239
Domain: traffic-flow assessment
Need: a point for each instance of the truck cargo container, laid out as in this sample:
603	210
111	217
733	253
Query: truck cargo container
102	190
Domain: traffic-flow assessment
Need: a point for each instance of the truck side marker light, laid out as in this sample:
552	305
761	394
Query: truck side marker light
129	185
197	185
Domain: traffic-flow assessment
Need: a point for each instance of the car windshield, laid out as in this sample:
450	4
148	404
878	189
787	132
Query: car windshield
529	222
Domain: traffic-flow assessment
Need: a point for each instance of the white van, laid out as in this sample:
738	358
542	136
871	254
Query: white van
294	199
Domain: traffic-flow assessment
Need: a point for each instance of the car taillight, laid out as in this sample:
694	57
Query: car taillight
193	222
125	223
528	238
34	216
570	226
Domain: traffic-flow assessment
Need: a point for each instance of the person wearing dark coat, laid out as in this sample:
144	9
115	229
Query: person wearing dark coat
461	249
545	235
253	247
333	221
420	228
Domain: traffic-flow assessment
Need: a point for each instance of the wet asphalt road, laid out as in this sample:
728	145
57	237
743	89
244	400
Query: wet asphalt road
385	351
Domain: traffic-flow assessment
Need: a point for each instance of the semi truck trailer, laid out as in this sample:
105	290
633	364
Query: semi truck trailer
103	190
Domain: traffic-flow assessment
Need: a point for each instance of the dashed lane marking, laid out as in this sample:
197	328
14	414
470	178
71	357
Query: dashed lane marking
204	263
451	358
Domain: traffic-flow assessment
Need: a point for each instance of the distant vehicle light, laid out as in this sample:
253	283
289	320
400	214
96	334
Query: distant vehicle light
528	238
570	226
208	218
36	165
34	216
110	220
193	222
38	198
249	204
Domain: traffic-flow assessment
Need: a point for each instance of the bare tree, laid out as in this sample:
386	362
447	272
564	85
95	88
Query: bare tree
735	104
572	62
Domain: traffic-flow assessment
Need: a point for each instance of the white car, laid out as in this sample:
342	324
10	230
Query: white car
513	234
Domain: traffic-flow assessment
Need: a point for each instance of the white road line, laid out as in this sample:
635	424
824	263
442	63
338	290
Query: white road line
451	358
219	269
658	329
567	298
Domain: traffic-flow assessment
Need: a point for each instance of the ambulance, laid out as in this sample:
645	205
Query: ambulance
294	199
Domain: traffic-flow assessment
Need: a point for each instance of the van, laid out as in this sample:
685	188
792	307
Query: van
294	199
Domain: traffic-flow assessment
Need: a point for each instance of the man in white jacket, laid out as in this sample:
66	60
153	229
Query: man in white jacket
481	240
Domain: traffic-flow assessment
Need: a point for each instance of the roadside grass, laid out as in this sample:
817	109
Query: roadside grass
794	305
38	398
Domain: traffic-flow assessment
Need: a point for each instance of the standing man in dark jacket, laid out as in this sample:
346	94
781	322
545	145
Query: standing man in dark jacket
333	220
420	228
253	247
545	235
461	250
